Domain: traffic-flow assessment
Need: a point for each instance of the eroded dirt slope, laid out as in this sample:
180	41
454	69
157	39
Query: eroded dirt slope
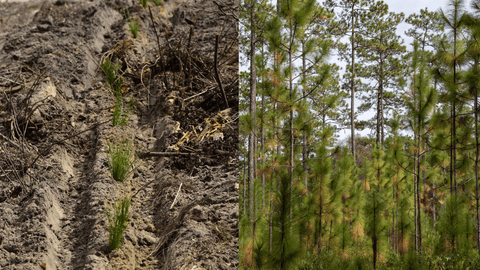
56	127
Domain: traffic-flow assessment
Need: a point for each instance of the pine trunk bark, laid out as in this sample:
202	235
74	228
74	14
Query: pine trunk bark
476	167
305	145
253	103
352	94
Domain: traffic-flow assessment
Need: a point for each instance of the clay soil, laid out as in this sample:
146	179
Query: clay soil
56	127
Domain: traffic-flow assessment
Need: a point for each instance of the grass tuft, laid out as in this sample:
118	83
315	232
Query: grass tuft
118	222
120	159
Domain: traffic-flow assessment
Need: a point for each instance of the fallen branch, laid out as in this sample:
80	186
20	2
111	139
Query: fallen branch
11	142
9	80
196	95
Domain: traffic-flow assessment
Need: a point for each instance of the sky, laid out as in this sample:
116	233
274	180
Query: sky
407	7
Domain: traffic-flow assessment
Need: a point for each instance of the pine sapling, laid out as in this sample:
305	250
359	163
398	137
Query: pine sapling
118	221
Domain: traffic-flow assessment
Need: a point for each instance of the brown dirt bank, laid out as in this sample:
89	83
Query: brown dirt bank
55	126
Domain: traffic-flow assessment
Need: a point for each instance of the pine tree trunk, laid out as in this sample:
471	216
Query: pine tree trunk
377	141
290	168
476	169
454	154
352	94
434	204
374	237
415	205
381	100
262	138
253	97
262	134
271	224
418	176
319	245
304	150
418	157
393	214
245	186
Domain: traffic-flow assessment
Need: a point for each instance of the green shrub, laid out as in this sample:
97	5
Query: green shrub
118	222
120	159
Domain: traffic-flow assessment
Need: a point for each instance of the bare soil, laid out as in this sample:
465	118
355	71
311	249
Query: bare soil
56	125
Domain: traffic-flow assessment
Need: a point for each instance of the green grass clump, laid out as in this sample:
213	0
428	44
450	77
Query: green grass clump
132	25
115	81
118	222
120	159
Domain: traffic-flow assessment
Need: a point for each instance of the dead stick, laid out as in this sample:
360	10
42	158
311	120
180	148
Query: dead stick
178	192
154	30
9	80
187	56
11	142
216	71
196	95
159	50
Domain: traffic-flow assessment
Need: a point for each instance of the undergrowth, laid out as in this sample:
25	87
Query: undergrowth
255	256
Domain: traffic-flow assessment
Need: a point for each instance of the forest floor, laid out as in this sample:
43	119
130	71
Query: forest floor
56	125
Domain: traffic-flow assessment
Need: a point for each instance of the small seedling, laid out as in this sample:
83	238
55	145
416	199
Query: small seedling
156	2
120	159
115	81
118	222
132	25
120	119
144	2
112	75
